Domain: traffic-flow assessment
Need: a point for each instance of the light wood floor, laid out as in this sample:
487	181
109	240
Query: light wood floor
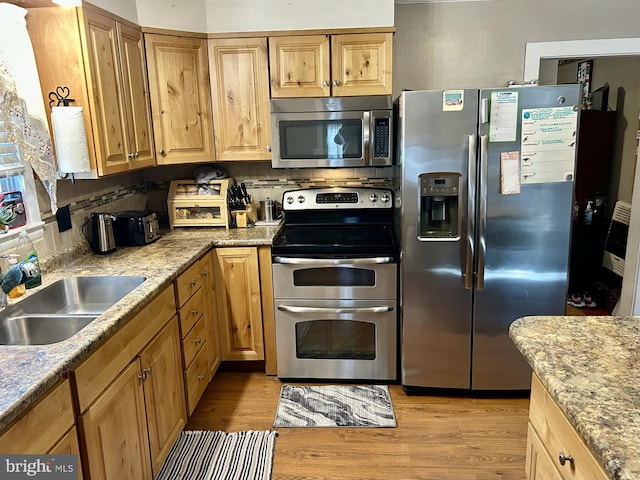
438	437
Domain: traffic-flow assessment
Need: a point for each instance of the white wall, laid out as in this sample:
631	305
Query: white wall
222	16
123	8
185	15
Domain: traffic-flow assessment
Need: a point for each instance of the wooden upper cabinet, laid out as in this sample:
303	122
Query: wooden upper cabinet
355	64
240	86
138	108
180	98
361	64
99	57
299	66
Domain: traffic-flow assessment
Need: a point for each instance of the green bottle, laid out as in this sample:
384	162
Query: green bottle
27	253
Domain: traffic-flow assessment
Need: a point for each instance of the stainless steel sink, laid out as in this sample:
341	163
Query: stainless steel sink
62	309
41	329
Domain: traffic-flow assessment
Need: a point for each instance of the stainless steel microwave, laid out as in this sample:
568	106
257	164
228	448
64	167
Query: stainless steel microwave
332	132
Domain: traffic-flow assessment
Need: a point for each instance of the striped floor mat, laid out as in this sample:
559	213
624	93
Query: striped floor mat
335	406
207	455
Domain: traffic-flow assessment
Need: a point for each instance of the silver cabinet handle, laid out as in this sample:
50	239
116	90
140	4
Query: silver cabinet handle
296	309
325	83
332	261
336	83
268	148
131	155
562	458
162	152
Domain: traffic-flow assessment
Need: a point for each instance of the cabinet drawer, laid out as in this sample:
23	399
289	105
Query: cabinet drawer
557	434
189	282
42	426
196	379
193	342
190	313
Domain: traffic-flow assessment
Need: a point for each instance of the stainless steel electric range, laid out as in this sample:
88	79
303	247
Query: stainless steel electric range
335	277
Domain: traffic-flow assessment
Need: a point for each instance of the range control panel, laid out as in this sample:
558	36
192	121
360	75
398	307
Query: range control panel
337	197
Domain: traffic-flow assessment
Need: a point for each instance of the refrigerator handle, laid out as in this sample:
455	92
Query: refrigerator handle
467	272
482	217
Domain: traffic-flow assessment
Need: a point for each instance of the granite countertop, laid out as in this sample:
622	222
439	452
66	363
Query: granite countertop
26	372
591	367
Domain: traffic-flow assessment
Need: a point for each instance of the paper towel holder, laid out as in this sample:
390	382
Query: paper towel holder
61	96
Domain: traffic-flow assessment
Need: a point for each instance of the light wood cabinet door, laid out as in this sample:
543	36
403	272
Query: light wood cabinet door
180	99
240	89
136	94
68	445
163	392
106	86
361	64
239	306
100	59
299	66
114	430
356	64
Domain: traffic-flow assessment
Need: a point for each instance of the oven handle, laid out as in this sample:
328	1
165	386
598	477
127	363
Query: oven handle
332	261
296	309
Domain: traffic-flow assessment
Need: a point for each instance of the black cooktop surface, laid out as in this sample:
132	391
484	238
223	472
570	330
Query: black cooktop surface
335	240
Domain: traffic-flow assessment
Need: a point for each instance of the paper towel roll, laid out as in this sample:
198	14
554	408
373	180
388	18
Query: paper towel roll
70	139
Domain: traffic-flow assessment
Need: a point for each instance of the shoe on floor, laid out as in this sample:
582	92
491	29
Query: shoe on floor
589	301
576	300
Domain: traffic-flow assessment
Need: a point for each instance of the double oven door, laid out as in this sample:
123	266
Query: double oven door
336	318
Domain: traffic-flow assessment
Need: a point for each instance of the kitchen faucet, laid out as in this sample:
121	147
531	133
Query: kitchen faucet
14	276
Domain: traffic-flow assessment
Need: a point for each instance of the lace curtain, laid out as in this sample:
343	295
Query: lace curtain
21	104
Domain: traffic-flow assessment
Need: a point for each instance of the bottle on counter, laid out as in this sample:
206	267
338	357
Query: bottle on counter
18	290
588	213
27	253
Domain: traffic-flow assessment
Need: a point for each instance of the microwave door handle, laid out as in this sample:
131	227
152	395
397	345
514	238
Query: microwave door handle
336	310
366	137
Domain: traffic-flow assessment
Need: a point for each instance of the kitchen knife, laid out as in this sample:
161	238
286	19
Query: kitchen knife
245	195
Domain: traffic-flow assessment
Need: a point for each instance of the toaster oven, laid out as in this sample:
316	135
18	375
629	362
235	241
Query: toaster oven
135	228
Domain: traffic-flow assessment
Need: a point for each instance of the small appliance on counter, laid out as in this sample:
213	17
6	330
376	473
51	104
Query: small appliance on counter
100	233
135	228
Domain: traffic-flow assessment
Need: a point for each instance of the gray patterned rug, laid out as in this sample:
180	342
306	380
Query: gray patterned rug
335	406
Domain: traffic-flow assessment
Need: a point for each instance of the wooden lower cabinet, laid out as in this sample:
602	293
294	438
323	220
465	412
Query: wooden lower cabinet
550	436
47	427
114	430
237	276
139	416
130	396
163	393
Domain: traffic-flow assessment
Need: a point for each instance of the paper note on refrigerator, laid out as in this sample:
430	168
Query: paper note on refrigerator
503	120
509	173
548	144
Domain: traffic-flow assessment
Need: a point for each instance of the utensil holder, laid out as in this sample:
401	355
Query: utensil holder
246	217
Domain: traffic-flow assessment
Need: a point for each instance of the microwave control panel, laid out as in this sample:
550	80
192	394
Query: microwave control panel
381	137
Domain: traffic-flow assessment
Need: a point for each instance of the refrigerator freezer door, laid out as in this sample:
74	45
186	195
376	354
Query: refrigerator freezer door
436	307
523	248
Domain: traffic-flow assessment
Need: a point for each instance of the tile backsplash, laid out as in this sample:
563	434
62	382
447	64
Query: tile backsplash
148	189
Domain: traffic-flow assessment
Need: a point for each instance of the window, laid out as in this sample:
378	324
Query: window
17	188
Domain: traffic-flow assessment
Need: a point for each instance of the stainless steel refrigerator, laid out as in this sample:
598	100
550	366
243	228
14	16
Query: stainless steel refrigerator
484	210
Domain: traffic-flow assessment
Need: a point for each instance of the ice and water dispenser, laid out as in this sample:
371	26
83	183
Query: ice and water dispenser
439	206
